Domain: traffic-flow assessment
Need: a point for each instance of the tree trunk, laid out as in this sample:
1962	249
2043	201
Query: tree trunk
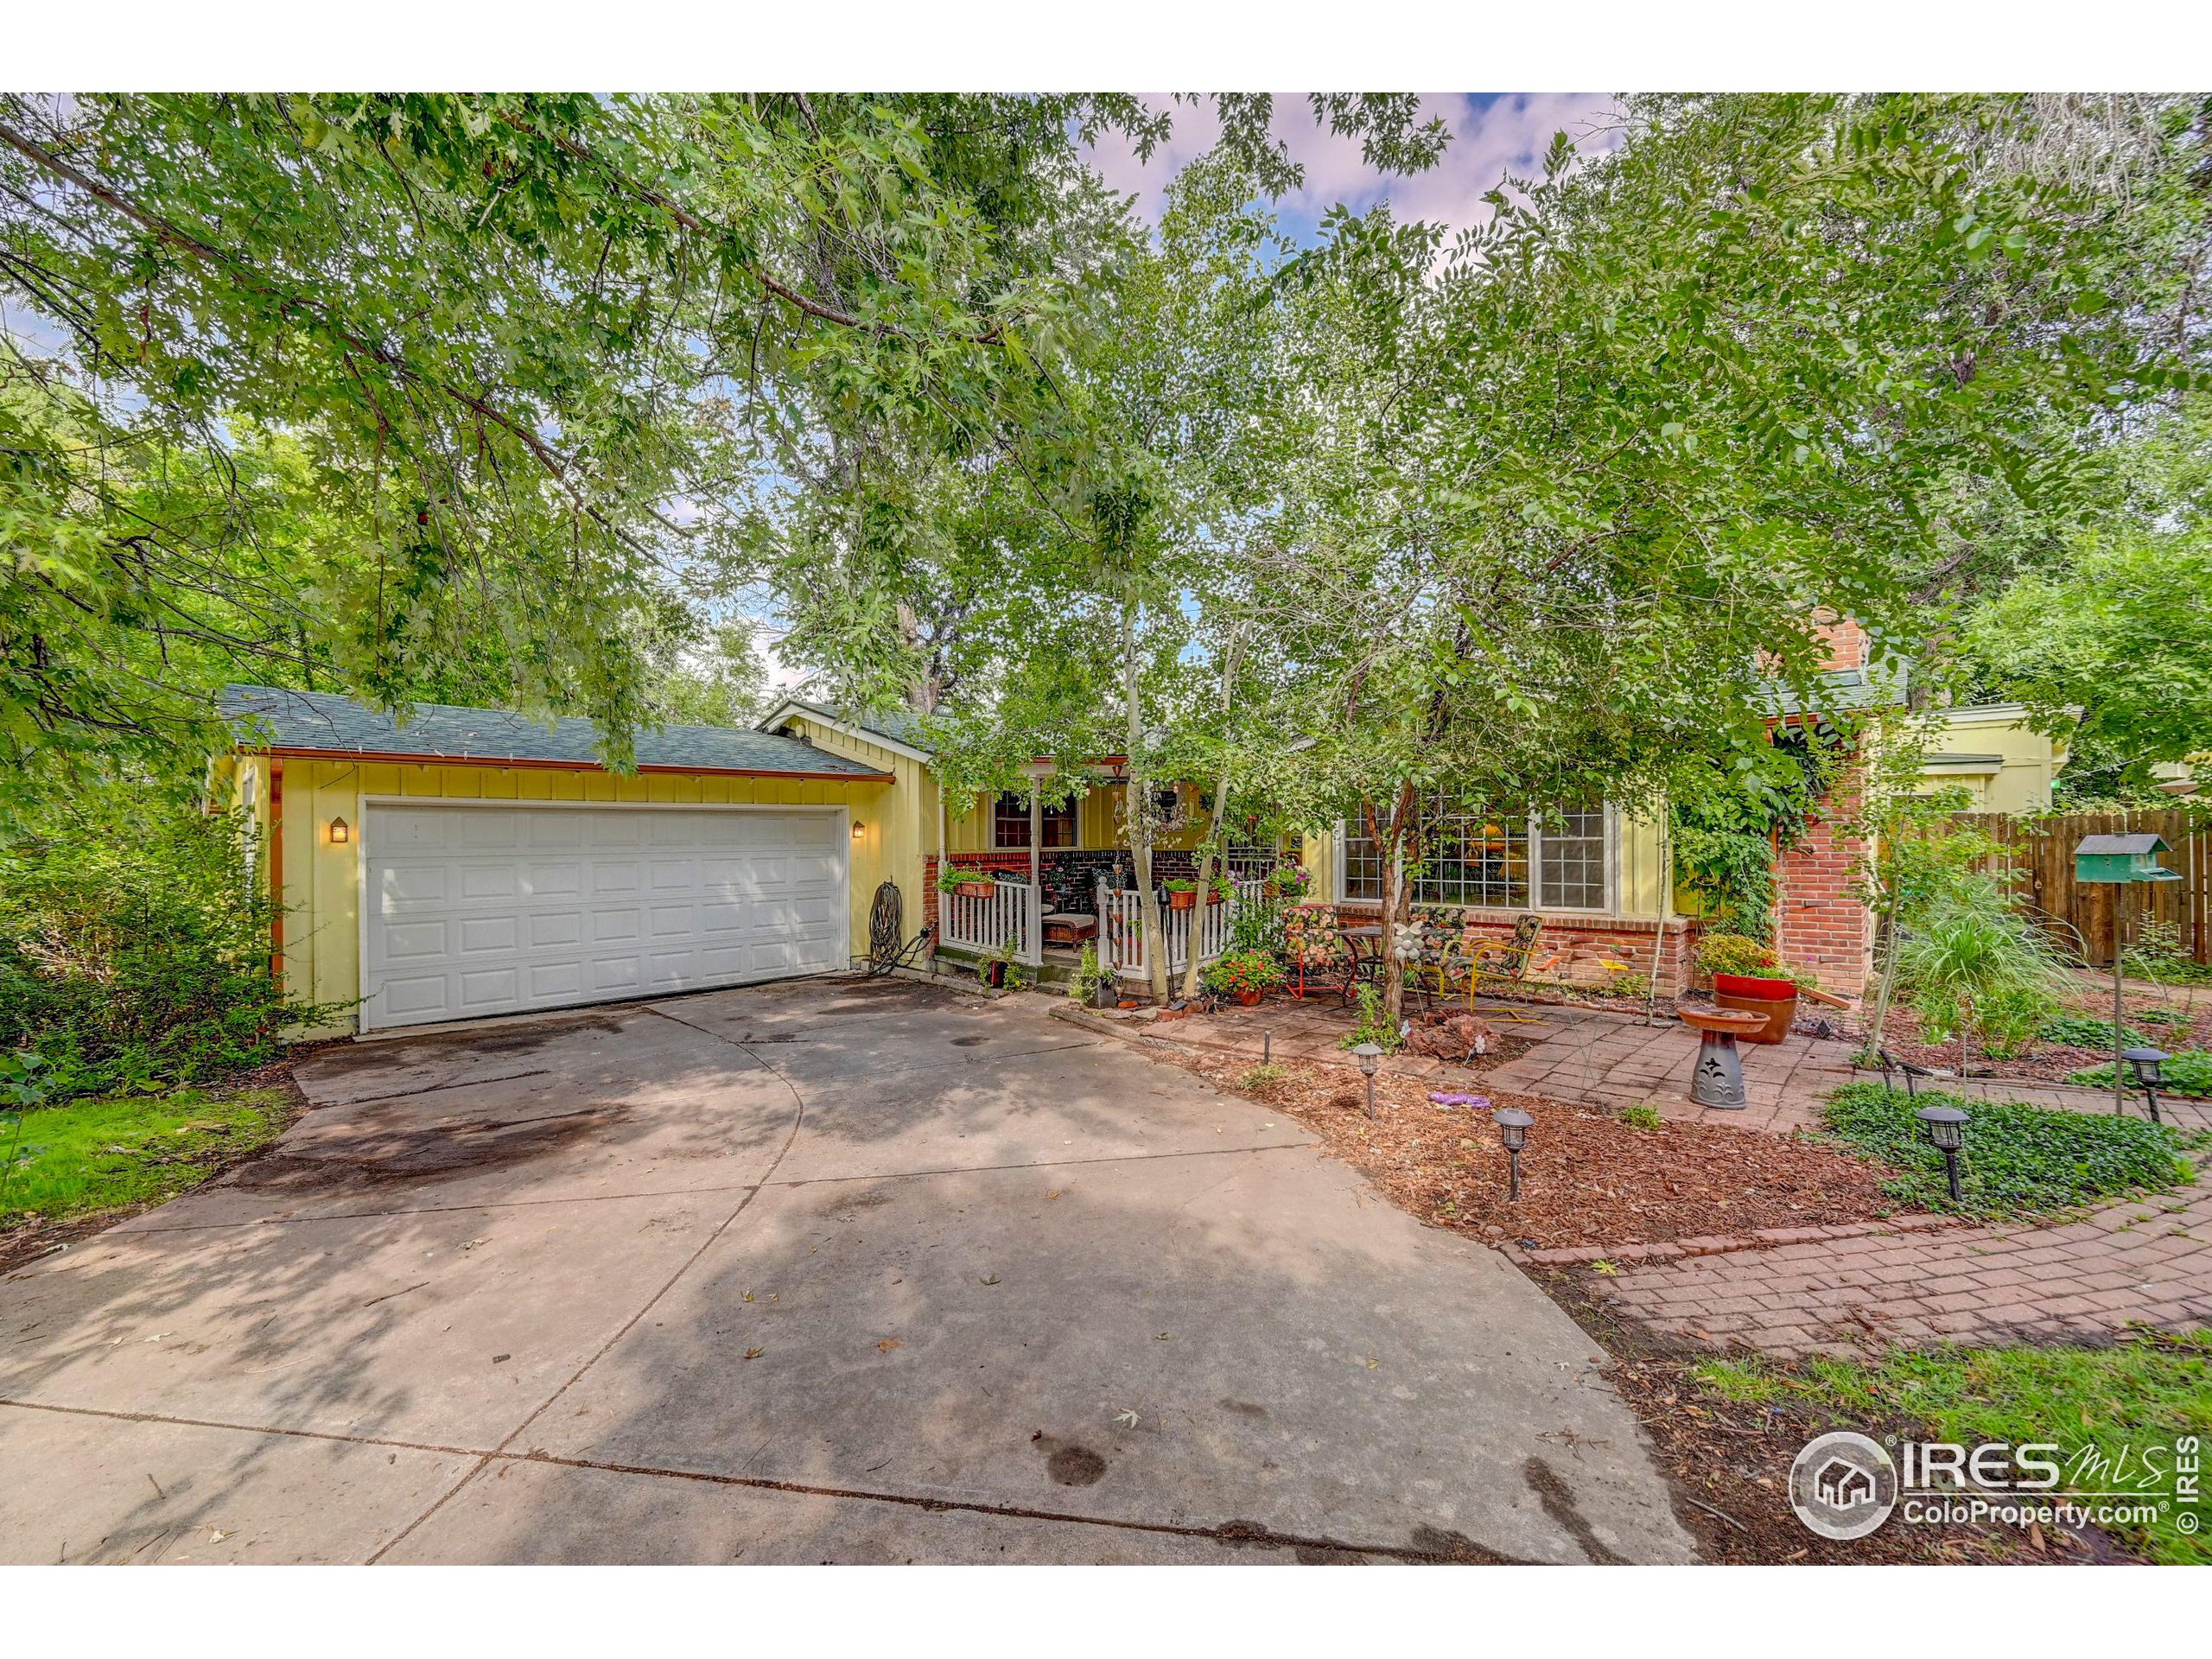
1217	837
1216	841
1138	799
1892	946
1396	901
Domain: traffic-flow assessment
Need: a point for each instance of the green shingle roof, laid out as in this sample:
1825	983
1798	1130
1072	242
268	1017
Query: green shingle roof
900	725
323	723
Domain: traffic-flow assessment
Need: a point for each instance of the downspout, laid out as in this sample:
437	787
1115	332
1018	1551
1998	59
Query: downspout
277	871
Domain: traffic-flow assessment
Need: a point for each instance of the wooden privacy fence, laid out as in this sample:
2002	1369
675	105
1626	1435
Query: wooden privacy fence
2081	915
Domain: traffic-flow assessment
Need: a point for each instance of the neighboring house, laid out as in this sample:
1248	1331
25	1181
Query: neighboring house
1991	750
474	862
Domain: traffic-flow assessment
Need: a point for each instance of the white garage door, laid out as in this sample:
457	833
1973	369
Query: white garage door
477	909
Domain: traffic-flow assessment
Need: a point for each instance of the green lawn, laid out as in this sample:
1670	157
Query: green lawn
93	1155
2151	1390
2019	1160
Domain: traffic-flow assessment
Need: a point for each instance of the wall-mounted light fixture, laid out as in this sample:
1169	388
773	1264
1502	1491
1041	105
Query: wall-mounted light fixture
859	829
340	833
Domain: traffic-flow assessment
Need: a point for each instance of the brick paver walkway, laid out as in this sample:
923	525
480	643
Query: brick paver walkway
2145	1261
1611	1060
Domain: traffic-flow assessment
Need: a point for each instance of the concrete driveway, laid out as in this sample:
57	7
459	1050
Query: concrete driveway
828	1270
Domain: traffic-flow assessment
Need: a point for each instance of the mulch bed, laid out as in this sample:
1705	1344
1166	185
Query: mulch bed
1587	1179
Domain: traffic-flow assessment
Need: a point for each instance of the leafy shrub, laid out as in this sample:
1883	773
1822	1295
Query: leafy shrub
1736	953
2190	1072
1973	962
2018	1160
2159	955
133	952
1239	971
1371	1026
2079	1031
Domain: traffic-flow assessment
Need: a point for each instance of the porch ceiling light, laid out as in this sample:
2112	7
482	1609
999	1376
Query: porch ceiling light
340	832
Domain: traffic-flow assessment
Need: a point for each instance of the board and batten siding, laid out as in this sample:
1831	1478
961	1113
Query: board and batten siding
899	823
322	898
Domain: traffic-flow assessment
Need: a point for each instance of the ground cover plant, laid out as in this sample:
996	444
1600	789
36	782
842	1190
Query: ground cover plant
2189	1072
113	1153
2018	1160
2152	1389
2080	1031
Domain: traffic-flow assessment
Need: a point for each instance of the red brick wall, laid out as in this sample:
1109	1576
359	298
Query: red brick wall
1846	640
1628	942
1819	922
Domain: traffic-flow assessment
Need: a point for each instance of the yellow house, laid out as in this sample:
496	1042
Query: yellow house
474	862
1990	749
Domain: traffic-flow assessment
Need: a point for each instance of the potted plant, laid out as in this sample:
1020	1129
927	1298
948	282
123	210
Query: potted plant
1288	881
1181	894
1248	976
968	884
1091	982
997	971
1222	891
1747	977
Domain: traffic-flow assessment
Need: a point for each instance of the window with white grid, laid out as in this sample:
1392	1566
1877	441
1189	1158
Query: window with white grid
1486	861
1573	858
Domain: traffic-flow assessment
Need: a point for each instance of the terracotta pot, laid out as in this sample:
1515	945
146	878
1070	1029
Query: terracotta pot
1757	987
1182	901
1249	999
977	889
1779	1011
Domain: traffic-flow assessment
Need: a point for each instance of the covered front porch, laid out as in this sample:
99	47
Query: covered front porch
1043	915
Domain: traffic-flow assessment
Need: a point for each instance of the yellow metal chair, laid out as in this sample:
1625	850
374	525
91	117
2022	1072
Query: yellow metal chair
1509	962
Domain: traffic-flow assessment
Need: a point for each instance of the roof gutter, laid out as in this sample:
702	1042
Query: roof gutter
383	757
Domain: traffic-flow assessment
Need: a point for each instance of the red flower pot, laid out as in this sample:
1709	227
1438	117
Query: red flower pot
977	889
1777	999
1249	999
1182	901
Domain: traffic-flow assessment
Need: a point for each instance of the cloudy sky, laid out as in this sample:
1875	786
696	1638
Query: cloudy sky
1492	134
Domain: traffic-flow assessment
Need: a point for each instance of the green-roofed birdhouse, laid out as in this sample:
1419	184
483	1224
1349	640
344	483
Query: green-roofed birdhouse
2121	858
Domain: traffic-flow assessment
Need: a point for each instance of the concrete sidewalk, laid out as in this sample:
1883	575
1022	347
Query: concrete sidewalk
825	1270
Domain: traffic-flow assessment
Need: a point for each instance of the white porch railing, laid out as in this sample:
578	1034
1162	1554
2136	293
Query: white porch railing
1121	929
1012	910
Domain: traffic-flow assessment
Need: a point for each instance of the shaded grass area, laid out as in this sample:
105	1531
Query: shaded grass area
2150	1390
92	1156
2020	1160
